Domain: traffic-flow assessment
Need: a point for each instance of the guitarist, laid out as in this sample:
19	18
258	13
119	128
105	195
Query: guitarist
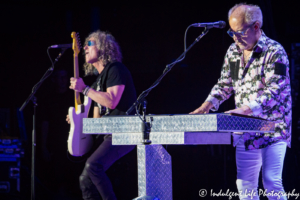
113	93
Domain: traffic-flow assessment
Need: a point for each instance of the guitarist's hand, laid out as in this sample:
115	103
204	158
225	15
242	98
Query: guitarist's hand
68	119
77	84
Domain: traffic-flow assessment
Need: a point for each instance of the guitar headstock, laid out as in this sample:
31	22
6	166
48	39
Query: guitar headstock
76	43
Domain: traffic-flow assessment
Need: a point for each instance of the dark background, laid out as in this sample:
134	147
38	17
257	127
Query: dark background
150	35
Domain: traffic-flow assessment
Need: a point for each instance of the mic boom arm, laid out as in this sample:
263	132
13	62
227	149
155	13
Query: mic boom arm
167	69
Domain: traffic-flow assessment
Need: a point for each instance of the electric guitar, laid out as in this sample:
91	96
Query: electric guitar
78	143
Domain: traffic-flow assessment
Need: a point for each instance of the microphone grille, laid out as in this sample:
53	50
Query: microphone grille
222	24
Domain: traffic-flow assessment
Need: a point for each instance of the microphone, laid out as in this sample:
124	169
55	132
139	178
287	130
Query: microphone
62	46
219	24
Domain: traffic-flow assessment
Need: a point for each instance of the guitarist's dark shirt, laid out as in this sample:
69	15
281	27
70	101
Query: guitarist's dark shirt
116	74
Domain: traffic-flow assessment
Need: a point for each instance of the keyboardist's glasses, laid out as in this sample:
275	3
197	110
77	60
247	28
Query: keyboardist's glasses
238	34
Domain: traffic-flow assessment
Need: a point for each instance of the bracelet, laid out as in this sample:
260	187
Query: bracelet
86	90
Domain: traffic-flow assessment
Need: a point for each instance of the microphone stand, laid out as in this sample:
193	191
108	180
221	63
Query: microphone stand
168	68
34	101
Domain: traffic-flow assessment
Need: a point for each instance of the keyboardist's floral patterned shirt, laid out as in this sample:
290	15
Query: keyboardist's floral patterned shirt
263	85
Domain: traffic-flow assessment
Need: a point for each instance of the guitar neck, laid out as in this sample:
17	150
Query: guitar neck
76	48
76	75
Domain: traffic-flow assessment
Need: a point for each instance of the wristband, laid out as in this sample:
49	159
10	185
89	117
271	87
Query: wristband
86	90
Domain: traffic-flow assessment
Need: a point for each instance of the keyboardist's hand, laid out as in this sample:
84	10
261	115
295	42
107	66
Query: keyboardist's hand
203	109
244	110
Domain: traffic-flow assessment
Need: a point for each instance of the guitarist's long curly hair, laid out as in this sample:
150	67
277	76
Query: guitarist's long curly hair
108	50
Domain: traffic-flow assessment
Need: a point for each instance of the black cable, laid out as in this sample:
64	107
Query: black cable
50	57
138	113
184	49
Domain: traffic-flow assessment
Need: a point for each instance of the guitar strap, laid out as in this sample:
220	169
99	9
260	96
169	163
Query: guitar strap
103	80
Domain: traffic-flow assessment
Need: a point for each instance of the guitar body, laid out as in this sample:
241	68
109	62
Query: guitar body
79	143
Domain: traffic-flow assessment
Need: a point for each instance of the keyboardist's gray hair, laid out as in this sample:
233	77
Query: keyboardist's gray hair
252	13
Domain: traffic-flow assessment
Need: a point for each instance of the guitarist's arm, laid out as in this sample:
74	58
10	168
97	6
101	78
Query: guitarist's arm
109	99
96	113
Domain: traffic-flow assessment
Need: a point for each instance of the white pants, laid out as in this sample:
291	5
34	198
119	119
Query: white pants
249	164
